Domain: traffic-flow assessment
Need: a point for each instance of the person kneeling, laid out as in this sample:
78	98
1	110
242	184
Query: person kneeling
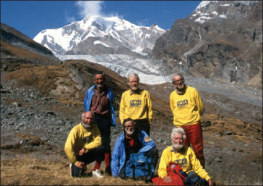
83	146
133	144
185	157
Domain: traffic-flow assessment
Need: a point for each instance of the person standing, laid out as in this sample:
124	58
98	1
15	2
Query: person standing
136	104
100	100
83	146
187	107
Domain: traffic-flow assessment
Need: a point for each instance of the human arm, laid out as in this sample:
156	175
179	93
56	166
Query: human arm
210	181
115	158
197	167
96	141
172	102
199	103
69	146
80	164
88	97
167	179
122	108
82	151
146	141
149	104
164	161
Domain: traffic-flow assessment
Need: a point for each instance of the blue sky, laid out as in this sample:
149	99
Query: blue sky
31	17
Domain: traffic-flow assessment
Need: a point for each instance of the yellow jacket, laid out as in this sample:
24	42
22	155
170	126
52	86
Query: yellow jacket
187	160
80	137
187	108
136	106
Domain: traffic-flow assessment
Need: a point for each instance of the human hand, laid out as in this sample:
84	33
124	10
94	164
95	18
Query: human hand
210	181
80	164
81	152
167	179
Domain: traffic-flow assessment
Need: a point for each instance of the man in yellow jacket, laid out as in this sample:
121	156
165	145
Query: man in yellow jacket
136	104
185	157
83	146
187	108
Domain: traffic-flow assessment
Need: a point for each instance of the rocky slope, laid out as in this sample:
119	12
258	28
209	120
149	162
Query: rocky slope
12	36
42	99
220	40
41	103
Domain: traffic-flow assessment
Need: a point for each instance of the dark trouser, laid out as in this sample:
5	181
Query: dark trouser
143	124
104	127
92	155
194	179
194	135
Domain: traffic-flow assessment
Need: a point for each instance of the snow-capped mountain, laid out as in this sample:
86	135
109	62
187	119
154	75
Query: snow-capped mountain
100	35
208	10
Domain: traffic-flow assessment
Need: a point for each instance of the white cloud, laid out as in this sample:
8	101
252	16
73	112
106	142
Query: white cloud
90	8
70	19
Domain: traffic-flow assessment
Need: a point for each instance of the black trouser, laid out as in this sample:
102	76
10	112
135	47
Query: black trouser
104	127
143	124
92	155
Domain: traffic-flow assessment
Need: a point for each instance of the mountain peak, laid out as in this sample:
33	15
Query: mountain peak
117	35
208	10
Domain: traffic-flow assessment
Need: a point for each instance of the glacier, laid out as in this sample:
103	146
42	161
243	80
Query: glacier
149	70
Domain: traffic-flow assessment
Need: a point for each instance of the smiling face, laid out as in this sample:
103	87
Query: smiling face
179	83
134	83
87	120
99	80
177	141
129	128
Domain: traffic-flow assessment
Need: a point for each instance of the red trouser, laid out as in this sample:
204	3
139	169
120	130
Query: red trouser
194	135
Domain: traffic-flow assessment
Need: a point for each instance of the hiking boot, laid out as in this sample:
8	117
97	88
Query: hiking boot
108	171
97	174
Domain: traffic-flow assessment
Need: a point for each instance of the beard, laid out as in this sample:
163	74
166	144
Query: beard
100	86
134	88
86	125
179	89
177	146
129	132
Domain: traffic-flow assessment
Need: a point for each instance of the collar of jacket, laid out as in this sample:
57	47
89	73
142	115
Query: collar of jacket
138	91
181	150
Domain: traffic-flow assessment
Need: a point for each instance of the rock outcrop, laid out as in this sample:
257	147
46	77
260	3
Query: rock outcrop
220	40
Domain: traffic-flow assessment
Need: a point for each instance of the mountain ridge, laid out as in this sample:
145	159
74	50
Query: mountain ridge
114	35
225	48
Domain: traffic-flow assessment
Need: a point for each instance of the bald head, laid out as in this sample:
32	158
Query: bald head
87	119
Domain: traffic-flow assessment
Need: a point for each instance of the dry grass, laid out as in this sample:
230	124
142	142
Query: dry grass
27	171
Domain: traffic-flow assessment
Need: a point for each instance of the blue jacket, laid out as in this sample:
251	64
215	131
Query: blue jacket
118	154
110	95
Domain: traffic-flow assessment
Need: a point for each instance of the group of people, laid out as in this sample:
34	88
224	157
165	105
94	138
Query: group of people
89	141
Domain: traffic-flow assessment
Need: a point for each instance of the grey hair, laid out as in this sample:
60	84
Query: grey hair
133	75
82	116
178	130
177	75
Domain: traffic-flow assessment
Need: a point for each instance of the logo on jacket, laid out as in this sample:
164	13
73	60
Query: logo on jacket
87	139
147	138
181	162
135	103
182	103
